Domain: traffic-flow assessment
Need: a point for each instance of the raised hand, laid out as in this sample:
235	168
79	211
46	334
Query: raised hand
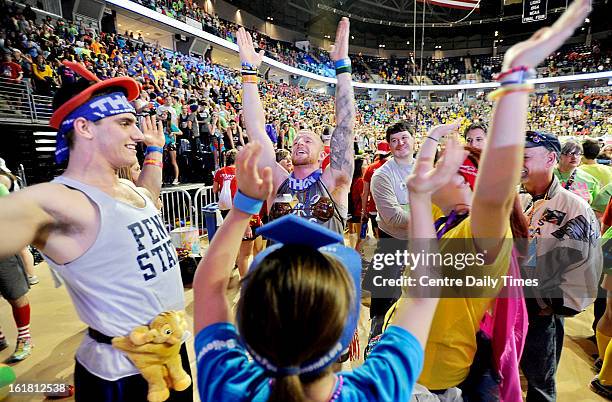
247	51
442	130
153	131
534	50
252	181
425	180
339	50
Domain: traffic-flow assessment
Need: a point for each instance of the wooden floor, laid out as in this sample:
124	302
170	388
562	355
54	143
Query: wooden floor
57	332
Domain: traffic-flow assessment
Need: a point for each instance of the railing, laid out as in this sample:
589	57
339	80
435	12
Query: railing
18	103
177	208
180	209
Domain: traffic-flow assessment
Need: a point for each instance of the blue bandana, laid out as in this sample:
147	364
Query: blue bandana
92	110
293	230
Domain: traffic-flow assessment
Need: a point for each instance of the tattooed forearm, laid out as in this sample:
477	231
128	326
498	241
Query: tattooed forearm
342	157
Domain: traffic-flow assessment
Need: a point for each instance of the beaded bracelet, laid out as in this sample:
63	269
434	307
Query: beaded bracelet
247	204
152	148
154	163
506	89
249	79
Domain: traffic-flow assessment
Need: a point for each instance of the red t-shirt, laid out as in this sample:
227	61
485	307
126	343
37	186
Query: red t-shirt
227	173
607	216
11	70
367	178
326	159
356	190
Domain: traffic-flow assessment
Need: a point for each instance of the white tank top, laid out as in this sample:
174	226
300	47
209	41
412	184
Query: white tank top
128	276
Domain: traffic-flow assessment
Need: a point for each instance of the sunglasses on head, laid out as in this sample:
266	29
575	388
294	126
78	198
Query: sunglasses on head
535	137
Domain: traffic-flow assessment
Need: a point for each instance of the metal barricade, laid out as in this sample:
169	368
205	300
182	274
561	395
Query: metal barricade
177	208
202	198
18	103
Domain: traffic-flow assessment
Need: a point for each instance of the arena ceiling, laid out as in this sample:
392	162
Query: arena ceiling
394	20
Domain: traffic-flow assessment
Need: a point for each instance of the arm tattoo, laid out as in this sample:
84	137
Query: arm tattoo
342	156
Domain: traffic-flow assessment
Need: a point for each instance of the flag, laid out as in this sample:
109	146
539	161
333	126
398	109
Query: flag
460	4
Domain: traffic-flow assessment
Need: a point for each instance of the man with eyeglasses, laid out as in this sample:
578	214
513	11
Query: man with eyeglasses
575	180
564	257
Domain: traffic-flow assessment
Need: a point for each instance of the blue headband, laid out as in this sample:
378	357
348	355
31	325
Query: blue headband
93	110
293	230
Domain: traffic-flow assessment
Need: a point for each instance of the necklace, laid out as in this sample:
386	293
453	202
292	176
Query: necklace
338	388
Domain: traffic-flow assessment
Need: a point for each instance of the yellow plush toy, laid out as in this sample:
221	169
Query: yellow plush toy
154	350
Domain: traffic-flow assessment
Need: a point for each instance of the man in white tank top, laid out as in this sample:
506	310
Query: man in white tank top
103	236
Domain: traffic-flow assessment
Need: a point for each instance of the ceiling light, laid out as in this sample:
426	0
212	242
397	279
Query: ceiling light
352	37
587	20
496	33
407	42
147	33
118	25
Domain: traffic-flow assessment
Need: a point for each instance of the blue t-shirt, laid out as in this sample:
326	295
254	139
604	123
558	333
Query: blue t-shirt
225	373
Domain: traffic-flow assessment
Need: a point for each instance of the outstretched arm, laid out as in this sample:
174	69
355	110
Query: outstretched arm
254	117
415	310
502	159
342	154
214	271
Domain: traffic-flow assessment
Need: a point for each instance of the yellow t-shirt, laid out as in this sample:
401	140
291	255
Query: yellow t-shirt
451	344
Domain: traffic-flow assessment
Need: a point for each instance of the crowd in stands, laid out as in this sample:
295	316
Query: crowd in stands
201	100
569	60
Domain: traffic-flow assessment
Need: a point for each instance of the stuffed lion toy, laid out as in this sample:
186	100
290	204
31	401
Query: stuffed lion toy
154	350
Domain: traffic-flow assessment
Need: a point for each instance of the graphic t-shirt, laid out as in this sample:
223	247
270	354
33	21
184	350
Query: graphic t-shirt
226	374
224	174
583	185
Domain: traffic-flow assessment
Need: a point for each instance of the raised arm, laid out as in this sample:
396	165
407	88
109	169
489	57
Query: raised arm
342	154
214	271
416	308
151	175
254	117
502	159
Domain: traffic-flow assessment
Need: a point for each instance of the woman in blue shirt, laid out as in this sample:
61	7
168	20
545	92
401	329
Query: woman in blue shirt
299	306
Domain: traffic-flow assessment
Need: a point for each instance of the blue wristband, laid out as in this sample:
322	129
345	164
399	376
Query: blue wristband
152	148
247	204
342	63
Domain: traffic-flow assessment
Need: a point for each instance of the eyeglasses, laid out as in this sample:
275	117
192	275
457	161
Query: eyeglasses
575	153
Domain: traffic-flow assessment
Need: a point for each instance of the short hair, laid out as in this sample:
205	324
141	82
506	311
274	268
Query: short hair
590	148
475	126
282	154
571	146
230	157
398	128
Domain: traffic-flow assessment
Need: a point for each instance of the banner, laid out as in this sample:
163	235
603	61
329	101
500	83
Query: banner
534	10
193	23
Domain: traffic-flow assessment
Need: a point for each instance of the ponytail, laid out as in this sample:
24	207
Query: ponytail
287	389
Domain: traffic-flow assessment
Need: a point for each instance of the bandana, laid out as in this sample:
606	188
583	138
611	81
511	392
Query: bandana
92	110
283	231
303	184
469	171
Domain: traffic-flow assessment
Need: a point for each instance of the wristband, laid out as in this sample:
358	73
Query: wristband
248	66
154	163
152	148
507	89
431	138
342	63
248	72
341	70
247	204
249	79
512	70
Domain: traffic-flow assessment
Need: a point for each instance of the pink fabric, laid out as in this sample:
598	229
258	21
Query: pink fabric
507	329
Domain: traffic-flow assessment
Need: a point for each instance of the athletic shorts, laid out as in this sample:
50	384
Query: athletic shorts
13	279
